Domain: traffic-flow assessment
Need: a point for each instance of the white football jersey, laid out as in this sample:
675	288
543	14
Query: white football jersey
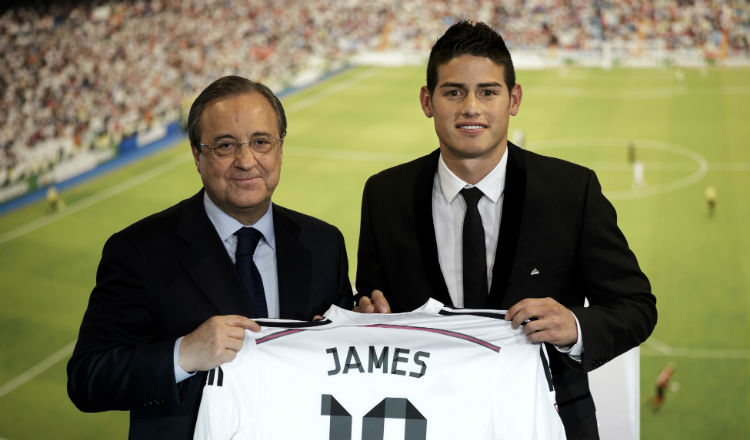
434	373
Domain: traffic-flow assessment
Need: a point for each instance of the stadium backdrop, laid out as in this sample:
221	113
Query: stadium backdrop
690	129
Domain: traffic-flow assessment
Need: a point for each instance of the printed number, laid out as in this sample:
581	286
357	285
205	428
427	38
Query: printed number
373	423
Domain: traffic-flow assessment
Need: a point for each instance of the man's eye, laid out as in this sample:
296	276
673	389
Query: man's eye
224	146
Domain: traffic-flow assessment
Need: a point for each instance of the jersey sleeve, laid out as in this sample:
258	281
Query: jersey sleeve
218	416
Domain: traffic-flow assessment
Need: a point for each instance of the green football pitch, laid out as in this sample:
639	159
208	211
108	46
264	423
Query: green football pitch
690	129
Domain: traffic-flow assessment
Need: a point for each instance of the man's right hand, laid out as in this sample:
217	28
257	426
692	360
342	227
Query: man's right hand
215	342
375	304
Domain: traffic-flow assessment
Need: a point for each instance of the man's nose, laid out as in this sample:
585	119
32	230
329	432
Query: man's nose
470	105
244	156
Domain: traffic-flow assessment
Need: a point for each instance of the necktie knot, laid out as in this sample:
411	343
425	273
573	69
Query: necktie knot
472	195
247	240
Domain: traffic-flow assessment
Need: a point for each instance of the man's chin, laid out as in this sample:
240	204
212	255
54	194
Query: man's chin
468	152
250	204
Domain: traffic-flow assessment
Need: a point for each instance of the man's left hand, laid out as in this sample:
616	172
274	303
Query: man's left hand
546	320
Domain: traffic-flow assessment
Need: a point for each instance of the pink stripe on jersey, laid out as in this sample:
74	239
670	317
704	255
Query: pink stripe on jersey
477	341
453	334
278	334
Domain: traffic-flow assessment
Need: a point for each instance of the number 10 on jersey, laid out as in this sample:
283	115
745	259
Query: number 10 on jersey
373	423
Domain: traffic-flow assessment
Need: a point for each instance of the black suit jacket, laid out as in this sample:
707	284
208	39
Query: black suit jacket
555	220
162	277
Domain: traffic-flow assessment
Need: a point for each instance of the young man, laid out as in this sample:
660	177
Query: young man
482	223
175	291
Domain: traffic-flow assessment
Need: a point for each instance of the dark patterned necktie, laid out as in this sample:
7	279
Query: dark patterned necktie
247	241
474	255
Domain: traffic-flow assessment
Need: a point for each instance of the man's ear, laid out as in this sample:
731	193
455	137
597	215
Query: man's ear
426	100
196	158
515	99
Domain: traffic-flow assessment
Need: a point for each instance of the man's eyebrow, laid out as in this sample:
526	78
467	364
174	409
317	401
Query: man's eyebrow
231	136
261	133
222	136
463	86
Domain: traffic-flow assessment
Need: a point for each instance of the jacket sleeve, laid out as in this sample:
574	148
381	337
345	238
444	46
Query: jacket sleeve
117	363
622	310
345	296
369	264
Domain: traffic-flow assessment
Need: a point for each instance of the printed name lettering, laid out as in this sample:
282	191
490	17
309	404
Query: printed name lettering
398	361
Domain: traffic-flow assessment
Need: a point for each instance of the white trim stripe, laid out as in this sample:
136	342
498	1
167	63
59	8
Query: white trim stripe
660	349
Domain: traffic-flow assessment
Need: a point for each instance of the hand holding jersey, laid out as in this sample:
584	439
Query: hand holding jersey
375	303
436	373
546	320
214	342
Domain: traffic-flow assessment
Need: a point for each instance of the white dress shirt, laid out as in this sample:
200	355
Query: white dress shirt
264	257
448	210
265	253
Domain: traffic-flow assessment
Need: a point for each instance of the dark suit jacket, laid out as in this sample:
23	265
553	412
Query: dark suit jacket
556	220
162	277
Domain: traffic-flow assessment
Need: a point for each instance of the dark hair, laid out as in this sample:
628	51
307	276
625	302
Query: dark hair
230	86
470	38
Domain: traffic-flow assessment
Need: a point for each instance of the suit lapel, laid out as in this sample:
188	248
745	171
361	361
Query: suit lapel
425	228
510	225
207	263
293	265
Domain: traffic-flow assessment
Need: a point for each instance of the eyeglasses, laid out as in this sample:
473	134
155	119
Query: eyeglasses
259	145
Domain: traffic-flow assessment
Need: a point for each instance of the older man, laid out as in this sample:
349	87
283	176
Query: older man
175	291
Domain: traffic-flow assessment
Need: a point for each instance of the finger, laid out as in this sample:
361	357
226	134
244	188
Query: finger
241	321
232	344
541	336
235	332
516	308
365	305
227	356
317	318
251	325
534	325
520	315
552	336
552	331
381	304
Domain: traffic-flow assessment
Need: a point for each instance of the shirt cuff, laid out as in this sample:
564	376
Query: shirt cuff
575	351
179	373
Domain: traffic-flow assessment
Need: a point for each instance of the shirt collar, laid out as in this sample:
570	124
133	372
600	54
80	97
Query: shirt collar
227	225
492	185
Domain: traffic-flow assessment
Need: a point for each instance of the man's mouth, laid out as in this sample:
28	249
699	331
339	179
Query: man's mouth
470	126
243	178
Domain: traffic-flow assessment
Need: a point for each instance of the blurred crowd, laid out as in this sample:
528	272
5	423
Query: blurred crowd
82	75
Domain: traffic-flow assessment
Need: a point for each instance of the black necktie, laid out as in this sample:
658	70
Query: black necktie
474	255
247	241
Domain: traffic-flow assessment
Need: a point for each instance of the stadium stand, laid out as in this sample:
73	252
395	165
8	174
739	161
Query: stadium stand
80	78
